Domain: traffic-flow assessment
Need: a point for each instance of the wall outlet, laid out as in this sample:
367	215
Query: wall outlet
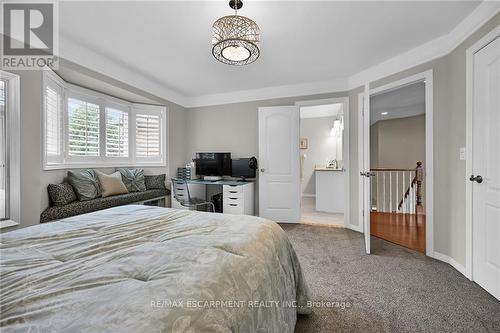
462	153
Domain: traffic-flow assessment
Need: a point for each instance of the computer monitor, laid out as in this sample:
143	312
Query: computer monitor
213	164
244	167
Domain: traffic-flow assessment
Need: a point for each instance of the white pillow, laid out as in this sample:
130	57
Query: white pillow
111	184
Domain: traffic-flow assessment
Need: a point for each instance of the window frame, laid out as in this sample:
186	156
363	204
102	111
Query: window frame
104	101
13	130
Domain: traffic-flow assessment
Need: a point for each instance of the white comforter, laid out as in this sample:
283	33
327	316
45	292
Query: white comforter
149	269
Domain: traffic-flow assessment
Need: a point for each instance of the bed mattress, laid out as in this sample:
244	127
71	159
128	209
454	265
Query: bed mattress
148	269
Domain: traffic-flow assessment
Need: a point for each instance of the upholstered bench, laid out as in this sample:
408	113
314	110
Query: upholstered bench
83	207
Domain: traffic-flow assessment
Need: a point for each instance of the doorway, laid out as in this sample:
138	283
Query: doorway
396	162
280	188
322	172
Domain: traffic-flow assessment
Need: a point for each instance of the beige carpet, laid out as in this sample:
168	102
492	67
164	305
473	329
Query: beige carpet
393	290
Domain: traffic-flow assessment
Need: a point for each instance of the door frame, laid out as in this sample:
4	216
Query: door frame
345	149
469	117
428	78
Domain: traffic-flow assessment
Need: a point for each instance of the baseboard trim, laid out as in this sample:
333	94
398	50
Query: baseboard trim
449	260
357	228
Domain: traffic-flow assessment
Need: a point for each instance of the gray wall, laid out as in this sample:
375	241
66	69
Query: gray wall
34	180
233	127
321	146
449	136
397	143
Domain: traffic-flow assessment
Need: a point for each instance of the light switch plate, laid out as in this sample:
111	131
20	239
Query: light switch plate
462	153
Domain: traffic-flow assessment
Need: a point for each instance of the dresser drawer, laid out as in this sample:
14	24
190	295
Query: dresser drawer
232	208
232	188
230	200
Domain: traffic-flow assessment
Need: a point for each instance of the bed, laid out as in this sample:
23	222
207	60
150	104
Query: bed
149	269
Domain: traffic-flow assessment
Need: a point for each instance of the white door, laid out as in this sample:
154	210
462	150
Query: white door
279	181
486	164
365	169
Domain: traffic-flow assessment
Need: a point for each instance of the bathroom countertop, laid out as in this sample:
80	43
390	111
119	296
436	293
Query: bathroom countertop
326	169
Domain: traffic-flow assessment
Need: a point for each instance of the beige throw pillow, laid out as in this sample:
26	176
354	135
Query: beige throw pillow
111	184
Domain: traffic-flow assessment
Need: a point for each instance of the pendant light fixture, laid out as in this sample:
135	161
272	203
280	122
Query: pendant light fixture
235	38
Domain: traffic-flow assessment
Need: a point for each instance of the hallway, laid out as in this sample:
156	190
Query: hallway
407	230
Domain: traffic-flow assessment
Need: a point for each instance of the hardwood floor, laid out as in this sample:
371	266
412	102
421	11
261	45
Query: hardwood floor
407	230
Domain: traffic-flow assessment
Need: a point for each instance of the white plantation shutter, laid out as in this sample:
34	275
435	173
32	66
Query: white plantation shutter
147	135
116	133
87	129
53	122
150	133
83	128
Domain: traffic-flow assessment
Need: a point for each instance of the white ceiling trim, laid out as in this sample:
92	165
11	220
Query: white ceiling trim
304	89
434	49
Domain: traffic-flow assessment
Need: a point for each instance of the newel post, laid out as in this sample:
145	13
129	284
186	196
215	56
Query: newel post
419	173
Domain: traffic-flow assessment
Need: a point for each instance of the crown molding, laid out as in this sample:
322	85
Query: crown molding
426	52
86	57
290	90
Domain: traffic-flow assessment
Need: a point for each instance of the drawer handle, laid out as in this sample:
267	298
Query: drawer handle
233	205
233	191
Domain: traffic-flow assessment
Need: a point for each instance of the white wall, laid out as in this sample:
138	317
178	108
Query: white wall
321	147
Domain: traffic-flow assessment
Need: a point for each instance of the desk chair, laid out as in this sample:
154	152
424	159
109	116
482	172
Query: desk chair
181	194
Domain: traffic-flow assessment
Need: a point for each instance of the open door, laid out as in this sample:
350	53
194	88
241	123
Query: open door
365	173
279	181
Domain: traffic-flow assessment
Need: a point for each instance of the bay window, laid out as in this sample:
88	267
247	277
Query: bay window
84	128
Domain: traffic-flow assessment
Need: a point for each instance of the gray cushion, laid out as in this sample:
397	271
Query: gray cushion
85	183
133	179
83	207
61	194
155	182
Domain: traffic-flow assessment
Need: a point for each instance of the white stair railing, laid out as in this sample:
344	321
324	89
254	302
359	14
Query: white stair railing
396	190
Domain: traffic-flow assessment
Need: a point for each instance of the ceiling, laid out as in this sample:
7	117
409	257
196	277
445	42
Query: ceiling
169	42
403	102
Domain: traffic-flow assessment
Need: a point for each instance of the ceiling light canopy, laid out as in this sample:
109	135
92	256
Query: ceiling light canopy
235	38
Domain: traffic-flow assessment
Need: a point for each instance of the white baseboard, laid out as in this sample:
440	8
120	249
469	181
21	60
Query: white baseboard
449	260
358	228
306	195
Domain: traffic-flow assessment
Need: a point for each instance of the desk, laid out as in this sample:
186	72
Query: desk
237	196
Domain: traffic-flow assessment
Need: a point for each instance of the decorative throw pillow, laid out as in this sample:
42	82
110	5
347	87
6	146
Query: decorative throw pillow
61	194
133	179
85	184
155	182
111	184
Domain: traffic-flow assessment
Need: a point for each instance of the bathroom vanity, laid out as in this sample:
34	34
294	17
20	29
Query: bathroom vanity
330	190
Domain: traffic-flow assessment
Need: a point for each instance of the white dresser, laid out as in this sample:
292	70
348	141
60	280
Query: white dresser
238	199
237	196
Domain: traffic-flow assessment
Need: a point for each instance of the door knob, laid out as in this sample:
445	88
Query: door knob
477	179
262	170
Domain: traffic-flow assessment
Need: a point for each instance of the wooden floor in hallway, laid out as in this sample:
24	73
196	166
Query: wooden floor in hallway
407	230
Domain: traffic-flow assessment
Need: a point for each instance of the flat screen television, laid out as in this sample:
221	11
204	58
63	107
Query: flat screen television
244	167
213	164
